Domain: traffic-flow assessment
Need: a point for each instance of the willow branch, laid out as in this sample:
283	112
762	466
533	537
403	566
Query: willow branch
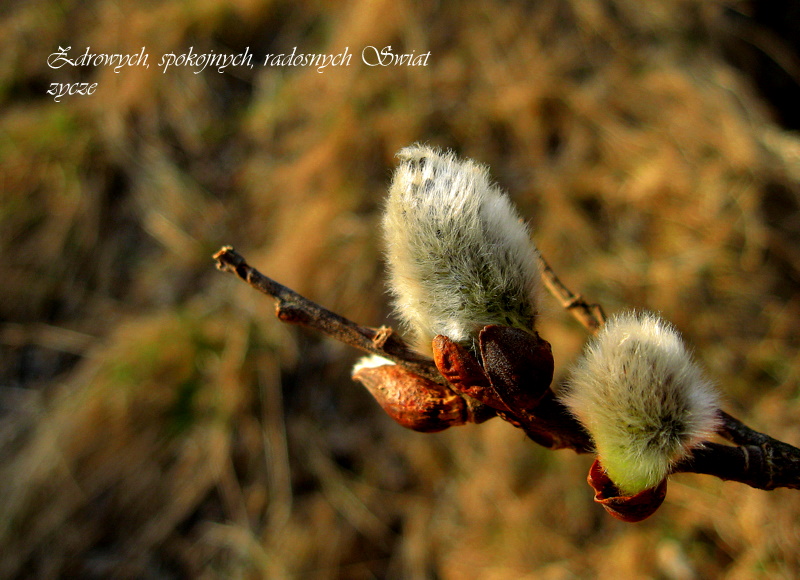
771	465
757	460
293	308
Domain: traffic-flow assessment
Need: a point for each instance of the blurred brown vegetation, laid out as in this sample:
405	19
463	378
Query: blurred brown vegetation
157	422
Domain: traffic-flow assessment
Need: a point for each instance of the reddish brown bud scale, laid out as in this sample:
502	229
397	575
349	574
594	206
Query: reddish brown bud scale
515	375
519	365
628	508
464	373
413	401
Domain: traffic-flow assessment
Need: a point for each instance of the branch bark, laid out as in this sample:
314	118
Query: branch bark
754	459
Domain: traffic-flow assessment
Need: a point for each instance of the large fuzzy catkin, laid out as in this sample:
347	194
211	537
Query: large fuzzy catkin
641	397
459	255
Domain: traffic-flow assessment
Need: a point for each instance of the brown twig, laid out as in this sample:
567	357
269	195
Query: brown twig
757	460
765	462
766	465
589	315
293	308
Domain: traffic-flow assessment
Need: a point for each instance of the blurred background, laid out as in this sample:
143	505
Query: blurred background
156	421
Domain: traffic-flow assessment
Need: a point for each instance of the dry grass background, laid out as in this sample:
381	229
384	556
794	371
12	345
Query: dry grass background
157	422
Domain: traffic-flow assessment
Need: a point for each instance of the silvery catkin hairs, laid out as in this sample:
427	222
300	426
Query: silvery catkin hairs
459	255
644	401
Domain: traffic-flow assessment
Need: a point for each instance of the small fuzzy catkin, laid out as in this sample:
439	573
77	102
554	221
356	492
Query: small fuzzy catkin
459	255
644	401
